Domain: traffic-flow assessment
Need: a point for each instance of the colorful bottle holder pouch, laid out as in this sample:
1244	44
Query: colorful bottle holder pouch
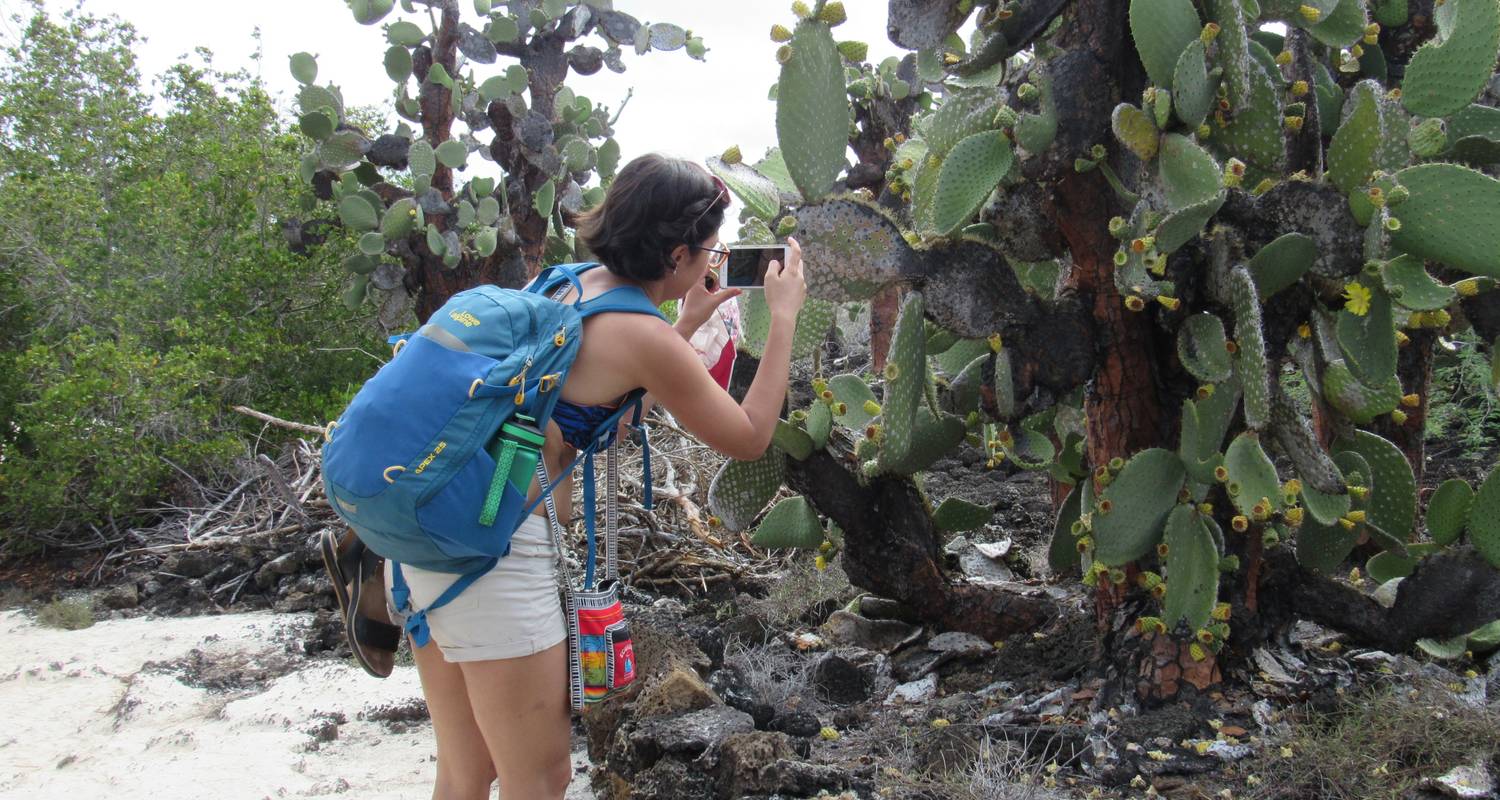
601	659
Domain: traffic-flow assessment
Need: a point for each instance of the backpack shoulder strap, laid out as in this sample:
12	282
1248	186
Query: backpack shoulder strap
629	299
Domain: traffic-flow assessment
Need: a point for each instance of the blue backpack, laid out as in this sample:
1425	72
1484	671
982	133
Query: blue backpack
414	465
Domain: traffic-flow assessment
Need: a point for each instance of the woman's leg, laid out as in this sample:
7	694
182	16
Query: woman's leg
464	768
521	705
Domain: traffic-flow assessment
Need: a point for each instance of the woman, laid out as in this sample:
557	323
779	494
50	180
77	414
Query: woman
495	672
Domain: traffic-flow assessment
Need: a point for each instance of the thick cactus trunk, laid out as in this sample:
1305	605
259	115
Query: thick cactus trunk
892	549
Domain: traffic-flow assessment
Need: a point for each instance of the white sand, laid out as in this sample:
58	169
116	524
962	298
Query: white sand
79	718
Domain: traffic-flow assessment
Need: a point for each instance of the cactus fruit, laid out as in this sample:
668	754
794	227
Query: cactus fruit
1444	76
1192	569
1281	263
956	514
1408	282
967	176
1161	29
1250	365
1189	175
1448	510
812	111
1142	496
742	488
790	523
1200	348
1449	217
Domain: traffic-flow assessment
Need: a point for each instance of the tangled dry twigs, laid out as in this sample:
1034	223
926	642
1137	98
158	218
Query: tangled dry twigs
674	547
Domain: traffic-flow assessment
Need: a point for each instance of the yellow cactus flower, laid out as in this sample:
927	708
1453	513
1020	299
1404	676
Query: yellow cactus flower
1299	88
1221	612
1310	13
1135	303
1197	651
821	562
996	343
1372	33
1398	416
1283	58
940	723
829	734
1240	523
1357	299
1304	331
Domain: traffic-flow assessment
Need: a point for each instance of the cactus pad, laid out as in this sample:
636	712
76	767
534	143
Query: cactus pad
742	488
961	115
1062	554
1251	468
1484	519
854	393
1282	263
1204	425
357	214
1192	569
755	190
1189	175
1161	29
1448	510
1201	348
906	381
1184	225
921	24
1140	498
1250	362
1366	340
1359	402
1343	26
1445	76
819	424
851	249
1136	130
1290	431
967	176
957	514
1192	86
1449	217
1407	281
812	110
1393	496
1475	134
791	523
1322	548
1356	150
792	440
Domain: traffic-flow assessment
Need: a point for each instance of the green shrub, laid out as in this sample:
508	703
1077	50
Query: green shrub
102	424
1462	400
69	615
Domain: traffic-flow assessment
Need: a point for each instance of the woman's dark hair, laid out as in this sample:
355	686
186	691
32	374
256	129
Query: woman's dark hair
654	204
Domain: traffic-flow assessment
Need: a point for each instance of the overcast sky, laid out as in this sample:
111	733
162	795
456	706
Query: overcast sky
680	107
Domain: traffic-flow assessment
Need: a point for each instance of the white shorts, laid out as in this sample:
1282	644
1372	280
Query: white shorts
515	610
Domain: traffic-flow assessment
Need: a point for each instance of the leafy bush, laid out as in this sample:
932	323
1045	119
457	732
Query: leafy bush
1462	411
68	615
104	422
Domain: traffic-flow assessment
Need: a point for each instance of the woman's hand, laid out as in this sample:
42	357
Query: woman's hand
786	289
699	304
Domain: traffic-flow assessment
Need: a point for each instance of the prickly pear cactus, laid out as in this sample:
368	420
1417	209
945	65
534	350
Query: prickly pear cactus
1249	244
472	80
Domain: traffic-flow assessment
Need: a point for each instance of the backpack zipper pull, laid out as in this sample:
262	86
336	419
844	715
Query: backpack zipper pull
520	380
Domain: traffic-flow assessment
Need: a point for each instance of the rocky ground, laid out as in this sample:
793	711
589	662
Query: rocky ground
788	688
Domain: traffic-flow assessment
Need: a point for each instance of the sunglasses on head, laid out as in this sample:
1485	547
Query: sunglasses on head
721	198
